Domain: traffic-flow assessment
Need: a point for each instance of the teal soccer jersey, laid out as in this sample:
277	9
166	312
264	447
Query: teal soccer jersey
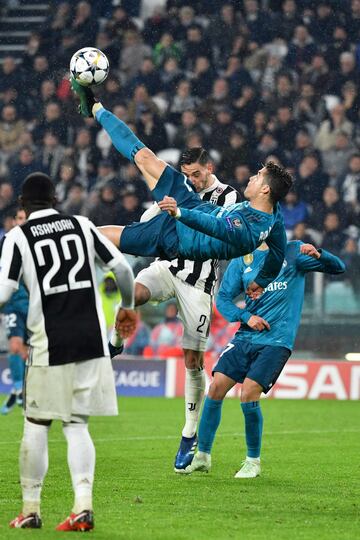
281	303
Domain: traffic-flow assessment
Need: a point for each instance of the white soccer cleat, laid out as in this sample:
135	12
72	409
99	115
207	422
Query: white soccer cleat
201	463
250	469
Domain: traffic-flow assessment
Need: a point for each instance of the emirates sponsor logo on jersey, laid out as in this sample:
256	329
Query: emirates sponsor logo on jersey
277	286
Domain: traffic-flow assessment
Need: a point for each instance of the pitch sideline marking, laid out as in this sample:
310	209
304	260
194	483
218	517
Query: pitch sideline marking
175	437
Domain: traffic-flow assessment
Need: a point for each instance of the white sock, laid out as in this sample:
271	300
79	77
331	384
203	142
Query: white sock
81	461
254	459
194	394
34	462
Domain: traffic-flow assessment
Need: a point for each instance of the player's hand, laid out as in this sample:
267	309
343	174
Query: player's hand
258	323
309	249
126	321
168	204
254	291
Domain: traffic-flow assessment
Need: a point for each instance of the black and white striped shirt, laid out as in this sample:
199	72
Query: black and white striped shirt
203	275
55	255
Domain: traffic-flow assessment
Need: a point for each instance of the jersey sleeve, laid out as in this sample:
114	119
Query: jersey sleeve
231	286
276	242
228	229
327	263
10	266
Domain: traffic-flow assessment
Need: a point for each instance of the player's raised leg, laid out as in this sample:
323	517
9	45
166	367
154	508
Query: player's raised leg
209	422
34	463
250	405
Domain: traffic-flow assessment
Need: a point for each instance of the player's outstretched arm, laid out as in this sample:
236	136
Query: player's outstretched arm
231	286
226	229
310	259
276	242
122	137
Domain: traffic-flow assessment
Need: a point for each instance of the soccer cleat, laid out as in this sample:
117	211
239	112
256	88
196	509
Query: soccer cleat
87	100
185	454
9	403
32	521
78	522
201	463
115	351
249	469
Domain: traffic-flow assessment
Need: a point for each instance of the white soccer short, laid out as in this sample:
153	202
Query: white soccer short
194	304
69	391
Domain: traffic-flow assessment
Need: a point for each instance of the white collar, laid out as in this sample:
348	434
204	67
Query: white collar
214	185
42	213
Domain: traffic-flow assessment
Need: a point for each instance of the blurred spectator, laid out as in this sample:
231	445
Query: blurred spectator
108	46
301	233
84	25
53	121
194	46
335	159
333	239
10	129
8	201
285	128
75	200
288	20
66	180
107	209
165	49
132	182
119	24
310	181
347	72
155	26
257	22
24	165
350	255
151	130
326	136
182	101
51	153
318	73
147	77
330	203
170	75
222	31
131	209
237	76
140	100
168	333
106	174
189	125
323	23
219	98
86	155
133	53
301	49
350	184
10	76
202	77
241	178
293	210
351	96
236	153
246	106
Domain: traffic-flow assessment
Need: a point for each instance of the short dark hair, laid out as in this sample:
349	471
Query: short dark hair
38	190
195	155
279	180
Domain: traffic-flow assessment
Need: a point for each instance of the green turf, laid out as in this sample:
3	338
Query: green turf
309	488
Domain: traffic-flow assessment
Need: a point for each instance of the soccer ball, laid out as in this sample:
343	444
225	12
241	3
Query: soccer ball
89	66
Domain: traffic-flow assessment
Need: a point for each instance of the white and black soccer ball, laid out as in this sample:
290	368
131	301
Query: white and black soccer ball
89	66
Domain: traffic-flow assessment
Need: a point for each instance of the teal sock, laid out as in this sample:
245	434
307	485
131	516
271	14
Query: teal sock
253	427
17	370
122	137
210	420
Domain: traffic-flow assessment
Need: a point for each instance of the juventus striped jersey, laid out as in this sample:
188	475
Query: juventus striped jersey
55	255
203	275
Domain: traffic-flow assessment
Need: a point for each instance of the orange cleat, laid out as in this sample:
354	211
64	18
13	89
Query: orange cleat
31	521
82	522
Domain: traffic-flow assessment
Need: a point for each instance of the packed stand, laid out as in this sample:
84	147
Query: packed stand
250	83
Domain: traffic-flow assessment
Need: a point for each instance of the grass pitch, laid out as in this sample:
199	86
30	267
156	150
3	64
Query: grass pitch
309	488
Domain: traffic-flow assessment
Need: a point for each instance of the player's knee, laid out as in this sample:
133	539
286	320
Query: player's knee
193	359
142	294
216	391
143	156
250	391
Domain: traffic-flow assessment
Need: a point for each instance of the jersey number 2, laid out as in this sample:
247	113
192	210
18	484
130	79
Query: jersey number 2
72	283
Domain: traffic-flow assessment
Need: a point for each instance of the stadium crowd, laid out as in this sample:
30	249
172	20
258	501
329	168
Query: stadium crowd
249	80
